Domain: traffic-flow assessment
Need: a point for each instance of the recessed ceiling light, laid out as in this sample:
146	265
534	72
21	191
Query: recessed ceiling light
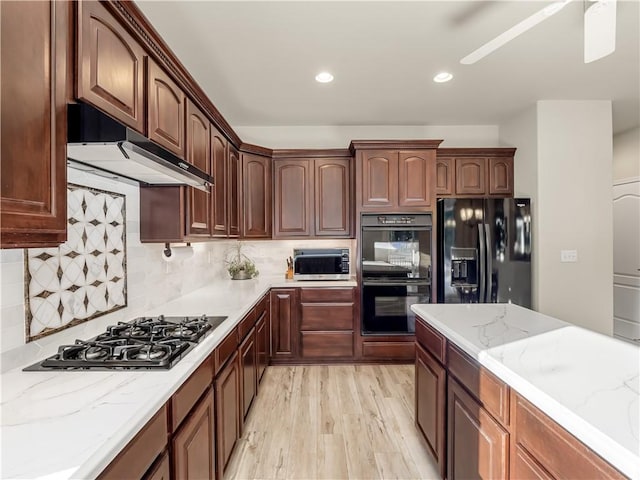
442	77
324	77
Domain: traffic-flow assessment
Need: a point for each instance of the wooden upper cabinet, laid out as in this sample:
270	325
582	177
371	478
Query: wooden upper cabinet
110	71
501	176
332	197
470	176
292	197
198	148
219	165
379	178
415	178
256	196
165	110
444	176
33	171
234	192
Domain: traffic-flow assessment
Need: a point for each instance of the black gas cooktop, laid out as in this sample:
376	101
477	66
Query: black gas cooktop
144	343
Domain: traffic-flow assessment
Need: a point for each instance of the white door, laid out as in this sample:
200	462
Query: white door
626	259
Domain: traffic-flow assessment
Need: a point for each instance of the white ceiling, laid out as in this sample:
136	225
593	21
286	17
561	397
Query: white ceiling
257	60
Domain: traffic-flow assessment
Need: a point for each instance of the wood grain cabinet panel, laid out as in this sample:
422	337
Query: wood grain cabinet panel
198	154
227	404
219	201
110	71
327	344
478	447
256	196
332	197
248	371
431	391
293	181
165	110
379	178
326	316
525	467
33	171
284	323
234	192
160	471
262	340
189	392
470	176
501	176
415	176
444	175
193	446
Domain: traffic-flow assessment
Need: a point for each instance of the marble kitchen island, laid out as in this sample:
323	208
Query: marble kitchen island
586	382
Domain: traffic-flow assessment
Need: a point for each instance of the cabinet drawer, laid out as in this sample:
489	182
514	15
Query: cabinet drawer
555	449
431	341
186	397
226	349
318	316
326	294
246	324
140	453
262	306
327	344
492	393
389	350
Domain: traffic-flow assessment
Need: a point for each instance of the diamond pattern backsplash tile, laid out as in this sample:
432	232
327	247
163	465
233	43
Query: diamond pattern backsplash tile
85	277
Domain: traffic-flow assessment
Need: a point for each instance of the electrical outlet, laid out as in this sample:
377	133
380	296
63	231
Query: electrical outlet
568	256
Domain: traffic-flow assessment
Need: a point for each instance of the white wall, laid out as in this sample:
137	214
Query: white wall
575	211
521	131
626	154
325	136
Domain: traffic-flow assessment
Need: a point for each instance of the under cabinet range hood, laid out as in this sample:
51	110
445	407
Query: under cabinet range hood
96	141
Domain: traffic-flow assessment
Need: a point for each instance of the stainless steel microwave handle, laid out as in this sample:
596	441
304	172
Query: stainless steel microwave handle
480	270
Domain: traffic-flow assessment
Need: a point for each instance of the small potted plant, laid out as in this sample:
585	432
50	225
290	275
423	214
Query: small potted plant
239	266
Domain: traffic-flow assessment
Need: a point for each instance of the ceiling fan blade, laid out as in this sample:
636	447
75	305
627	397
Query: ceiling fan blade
514	32
599	30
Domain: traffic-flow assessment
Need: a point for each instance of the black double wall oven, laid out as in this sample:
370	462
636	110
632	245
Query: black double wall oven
395	266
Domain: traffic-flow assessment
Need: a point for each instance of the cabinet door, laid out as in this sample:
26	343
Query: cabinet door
219	201
165	110
415	174
470	176
431	393
227	412
234	180
332	197
444	176
194	443
477	444
256	195
198	202
248	371
379	178
501	176
262	339
110	66
33	171
292	198
284	323
525	467
161	471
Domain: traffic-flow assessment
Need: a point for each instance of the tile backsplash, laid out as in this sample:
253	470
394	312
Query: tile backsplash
150	280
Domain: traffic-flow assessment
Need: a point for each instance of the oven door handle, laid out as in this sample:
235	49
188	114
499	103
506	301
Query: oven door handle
394	284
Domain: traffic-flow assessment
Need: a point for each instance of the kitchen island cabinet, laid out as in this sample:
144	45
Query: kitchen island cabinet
519	406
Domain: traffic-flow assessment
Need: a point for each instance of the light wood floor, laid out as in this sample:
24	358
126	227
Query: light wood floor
333	422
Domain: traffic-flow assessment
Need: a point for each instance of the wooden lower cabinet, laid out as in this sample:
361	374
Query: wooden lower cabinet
227	403
431	398
525	467
284	323
262	344
248	371
161	470
193	445
478	447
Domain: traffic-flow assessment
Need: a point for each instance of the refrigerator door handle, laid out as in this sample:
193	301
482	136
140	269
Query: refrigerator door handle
489	272
481	269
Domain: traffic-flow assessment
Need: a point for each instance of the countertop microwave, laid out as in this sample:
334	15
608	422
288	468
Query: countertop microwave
321	264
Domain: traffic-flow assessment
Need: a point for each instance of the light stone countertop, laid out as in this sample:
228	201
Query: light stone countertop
63	424
587	382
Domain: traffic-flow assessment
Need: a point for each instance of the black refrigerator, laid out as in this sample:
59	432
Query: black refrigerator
484	250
